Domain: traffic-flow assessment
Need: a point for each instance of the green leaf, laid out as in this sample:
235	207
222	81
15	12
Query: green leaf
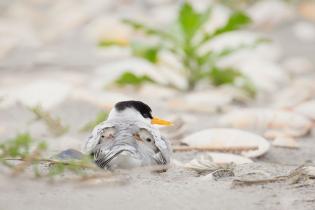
128	78
236	21
17	147
150	53
148	30
223	76
110	43
190	20
100	117
233	77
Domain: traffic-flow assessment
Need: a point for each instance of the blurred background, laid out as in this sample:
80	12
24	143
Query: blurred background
63	64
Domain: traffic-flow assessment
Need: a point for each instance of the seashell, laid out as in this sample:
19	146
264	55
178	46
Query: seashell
200	101
304	31
228	139
218	163
46	93
270	13
301	90
309	171
298	65
224	158
306	9
307	109
286	142
264	72
108	28
159	91
262	120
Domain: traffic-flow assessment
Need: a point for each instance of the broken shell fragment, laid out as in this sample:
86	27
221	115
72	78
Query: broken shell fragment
307	109
224	158
261	120
217	164
301	90
200	101
285	142
228	139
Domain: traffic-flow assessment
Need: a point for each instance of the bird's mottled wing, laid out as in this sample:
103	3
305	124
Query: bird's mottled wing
161	143
94	138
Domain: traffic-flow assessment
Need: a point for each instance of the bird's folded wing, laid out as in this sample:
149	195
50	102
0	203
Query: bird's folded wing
94	138
161	142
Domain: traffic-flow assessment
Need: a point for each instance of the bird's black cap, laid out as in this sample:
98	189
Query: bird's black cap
141	107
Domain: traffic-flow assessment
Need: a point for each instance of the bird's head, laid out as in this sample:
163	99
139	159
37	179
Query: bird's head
135	110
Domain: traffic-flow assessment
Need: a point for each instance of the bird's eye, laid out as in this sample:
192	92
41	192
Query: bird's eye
102	136
148	139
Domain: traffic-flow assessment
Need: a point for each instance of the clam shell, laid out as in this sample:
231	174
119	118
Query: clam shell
286	142
307	109
201	101
45	92
223	158
262	120
228	138
301	90
215	161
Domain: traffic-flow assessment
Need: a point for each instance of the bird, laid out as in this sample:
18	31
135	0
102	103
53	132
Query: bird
129	138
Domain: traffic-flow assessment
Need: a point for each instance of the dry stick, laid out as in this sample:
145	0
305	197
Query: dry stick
51	161
239	182
19	168
237	149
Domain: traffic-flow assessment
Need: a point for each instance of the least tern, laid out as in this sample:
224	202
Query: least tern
129	138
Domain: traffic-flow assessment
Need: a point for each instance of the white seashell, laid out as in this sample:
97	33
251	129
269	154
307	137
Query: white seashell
262	120
202	163
229	139
108	28
309	171
46	93
211	162
201	101
159	91
301	90
286	142
298	65
223	158
304	31
270	13
263	71
307	109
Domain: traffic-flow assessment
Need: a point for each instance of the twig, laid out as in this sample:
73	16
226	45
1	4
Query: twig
54	124
52	162
27	161
238	149
239	182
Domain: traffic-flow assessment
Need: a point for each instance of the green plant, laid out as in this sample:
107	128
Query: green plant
19	148
185	38
22	152
128	78
54	124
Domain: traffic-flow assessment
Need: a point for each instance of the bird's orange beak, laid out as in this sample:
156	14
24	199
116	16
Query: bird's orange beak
158	121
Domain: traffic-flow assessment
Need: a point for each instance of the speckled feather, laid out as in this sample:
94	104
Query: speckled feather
124	140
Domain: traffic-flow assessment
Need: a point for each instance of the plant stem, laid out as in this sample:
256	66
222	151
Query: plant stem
52	161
